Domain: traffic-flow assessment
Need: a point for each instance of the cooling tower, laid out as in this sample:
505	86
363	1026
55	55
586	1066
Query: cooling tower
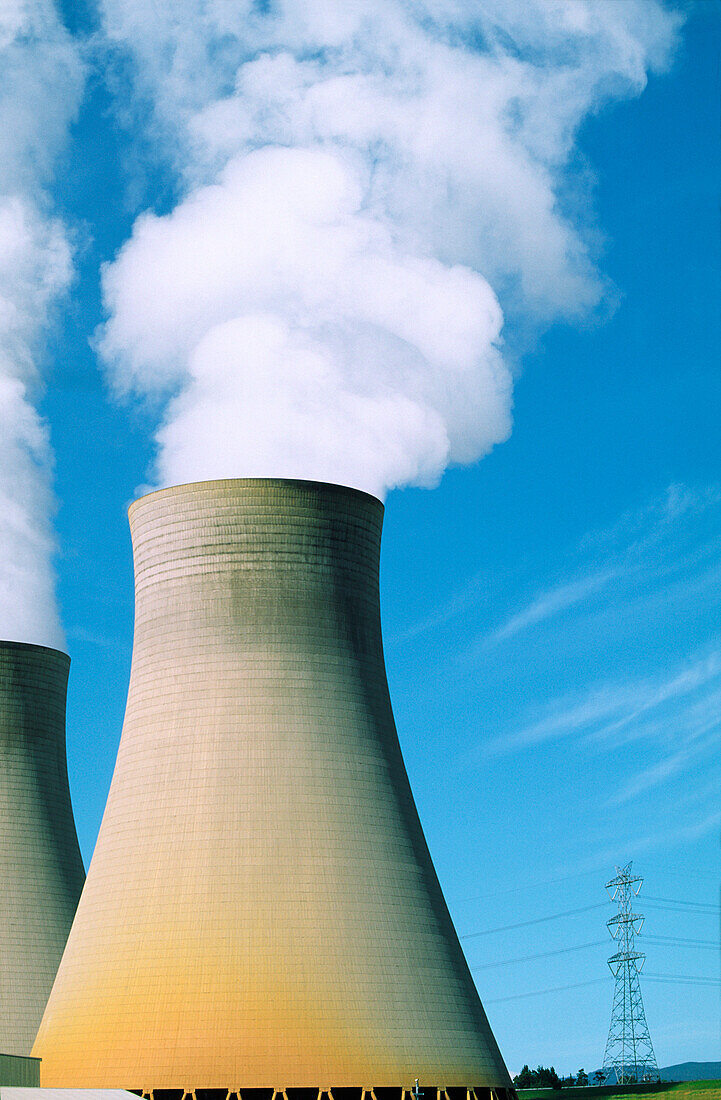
41	872
261	910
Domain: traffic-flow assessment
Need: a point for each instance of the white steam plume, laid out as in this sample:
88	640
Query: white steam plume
362	183
40	84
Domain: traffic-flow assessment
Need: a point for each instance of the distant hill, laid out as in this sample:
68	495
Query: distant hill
684	1071
692	1071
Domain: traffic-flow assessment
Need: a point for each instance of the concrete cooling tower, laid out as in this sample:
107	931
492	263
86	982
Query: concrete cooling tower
41	871
261	911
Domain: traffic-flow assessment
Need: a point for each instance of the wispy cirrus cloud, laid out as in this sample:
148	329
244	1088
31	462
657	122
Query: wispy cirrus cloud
640	584
667	767
689	827
603	712
641	527
649	559
650	554
552	602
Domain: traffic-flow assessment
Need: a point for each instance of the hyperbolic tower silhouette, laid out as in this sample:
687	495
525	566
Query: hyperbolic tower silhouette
629	1051
41	871
261	910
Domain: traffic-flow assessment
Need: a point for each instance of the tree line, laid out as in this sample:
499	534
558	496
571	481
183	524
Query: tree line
545	1077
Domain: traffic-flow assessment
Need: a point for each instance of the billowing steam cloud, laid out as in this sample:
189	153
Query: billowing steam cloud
362	183
40	84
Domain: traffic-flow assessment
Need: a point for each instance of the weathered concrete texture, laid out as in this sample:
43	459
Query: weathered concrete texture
41	871
261	909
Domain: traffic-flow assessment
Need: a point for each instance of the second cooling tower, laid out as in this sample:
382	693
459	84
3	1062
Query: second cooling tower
261	910
41	871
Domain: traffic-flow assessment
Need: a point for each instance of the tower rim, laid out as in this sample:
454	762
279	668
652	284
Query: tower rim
259	482
11	643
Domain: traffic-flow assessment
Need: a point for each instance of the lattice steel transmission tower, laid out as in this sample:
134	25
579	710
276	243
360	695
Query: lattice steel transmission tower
629	1051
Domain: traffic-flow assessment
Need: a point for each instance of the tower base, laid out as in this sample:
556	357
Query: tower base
424	1092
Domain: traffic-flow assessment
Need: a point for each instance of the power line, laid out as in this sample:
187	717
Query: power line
566	878
685	912
663	941
572	912
686	978
682	941
543	955
529	886
537	920
660	940
585	909
679	906
688	904
670	980
539	992
711	984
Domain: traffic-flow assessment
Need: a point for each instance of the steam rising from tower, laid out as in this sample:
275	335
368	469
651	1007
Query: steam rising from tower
261	909
372	213
40	85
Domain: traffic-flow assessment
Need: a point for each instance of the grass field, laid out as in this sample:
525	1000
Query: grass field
684	1090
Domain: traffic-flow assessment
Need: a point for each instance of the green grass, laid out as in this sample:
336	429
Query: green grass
683	1090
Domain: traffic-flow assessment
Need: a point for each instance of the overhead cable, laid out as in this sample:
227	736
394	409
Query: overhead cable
543	955
670	980
537	920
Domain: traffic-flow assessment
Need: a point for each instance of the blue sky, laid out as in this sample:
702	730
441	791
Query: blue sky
553	642
551	611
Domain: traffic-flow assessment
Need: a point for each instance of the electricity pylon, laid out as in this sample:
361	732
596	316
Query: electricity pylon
629	1051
